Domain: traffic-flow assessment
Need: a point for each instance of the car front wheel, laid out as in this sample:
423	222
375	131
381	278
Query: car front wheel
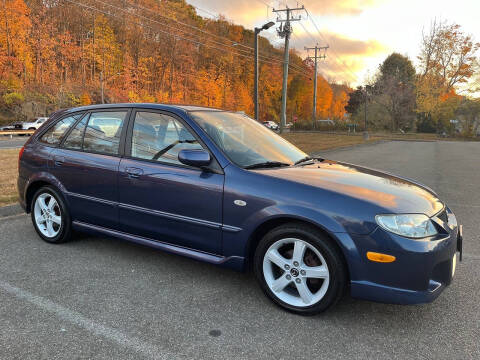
300	269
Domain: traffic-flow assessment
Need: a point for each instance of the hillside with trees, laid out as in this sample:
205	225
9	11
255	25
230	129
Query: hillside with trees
61	53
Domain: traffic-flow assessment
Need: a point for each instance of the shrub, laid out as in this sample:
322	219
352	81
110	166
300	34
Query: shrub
13	98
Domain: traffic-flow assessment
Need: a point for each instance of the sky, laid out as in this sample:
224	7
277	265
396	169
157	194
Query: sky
360	33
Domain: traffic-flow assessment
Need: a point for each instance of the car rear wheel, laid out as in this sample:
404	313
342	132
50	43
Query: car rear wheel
300	269
50	216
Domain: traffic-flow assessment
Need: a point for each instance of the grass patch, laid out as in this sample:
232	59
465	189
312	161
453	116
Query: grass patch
8	176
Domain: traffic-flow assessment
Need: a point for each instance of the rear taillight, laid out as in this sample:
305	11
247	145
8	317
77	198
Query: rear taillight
20	155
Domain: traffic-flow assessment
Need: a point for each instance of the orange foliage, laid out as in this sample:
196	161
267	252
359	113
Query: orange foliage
54	47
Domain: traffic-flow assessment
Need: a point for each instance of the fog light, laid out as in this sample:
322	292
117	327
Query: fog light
378	257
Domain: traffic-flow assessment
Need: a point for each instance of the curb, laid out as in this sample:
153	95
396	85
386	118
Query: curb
10	210
416	140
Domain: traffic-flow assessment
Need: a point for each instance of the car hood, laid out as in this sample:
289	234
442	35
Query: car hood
391	193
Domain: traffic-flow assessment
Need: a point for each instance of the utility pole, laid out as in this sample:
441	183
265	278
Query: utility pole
102	86
255	89
365	131
284	32
316	57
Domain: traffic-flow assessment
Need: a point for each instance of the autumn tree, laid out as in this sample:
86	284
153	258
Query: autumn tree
60	53
14	27
447	59
448	53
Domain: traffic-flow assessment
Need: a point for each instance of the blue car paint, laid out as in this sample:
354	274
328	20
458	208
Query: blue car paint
191	212
170	203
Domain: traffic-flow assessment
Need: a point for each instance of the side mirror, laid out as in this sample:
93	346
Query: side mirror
197	158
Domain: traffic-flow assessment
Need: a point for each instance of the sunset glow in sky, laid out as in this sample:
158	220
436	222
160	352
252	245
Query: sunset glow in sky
360	33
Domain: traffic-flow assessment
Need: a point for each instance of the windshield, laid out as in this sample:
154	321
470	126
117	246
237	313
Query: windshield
245	141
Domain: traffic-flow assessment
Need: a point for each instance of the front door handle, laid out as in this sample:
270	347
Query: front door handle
133	172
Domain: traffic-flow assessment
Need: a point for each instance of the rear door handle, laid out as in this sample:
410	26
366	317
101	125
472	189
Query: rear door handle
58	160
133	172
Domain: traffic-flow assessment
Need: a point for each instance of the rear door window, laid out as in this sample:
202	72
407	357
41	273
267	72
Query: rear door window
102	134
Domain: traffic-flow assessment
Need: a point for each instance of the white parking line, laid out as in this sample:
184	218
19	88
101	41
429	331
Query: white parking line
12	216
146	349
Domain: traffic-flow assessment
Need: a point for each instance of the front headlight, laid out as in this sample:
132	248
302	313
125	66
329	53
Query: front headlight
410	225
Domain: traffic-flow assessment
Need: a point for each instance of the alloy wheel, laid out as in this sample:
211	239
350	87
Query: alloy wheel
296	272
48	216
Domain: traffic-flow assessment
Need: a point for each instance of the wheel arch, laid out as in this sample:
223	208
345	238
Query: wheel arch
33	187
270	224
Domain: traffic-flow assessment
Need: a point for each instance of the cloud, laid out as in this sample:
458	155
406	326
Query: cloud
345	58
339	7
342	45
248	10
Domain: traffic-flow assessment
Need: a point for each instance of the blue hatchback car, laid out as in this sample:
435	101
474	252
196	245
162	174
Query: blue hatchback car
219	187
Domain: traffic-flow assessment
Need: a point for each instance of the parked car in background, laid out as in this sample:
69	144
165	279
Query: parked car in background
272	125
30	125
7	127
217	186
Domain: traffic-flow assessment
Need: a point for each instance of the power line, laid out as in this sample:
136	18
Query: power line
201	30
284	31
316	57
108	13
190	26
334	52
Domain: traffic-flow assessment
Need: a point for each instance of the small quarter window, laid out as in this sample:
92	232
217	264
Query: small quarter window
75	139
53	136
160	137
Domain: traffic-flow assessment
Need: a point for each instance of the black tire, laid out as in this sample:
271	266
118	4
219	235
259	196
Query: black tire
65	231
330	252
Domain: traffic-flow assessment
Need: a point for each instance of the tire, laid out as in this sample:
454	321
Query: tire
56	213
320	270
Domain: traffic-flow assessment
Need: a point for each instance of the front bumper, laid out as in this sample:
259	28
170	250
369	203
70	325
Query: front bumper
421	271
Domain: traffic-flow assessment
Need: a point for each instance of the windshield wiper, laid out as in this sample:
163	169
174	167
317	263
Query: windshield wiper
306	158
266	164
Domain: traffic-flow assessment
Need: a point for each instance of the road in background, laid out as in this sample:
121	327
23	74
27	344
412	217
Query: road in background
102	298
12	143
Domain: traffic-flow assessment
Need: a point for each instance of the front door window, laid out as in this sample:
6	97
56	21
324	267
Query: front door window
160	137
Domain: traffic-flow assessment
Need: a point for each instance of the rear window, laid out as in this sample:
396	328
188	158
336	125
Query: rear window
53	136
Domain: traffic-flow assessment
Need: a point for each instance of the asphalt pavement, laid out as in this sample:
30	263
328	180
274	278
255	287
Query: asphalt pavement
100	298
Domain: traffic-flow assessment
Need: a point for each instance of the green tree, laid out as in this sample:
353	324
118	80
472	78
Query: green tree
468	113
355	100
394	89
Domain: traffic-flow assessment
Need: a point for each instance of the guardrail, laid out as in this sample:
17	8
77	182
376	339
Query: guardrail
16	132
